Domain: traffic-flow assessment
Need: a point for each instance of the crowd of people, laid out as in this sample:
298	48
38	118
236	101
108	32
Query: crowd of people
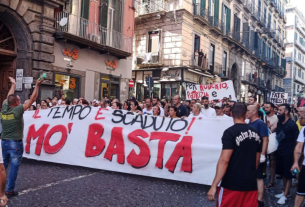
242	165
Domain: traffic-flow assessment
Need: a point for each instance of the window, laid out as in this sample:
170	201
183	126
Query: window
153	46
243	69
224	64
67	85
274	25
153	41
212	8
198	56
110	86
212	54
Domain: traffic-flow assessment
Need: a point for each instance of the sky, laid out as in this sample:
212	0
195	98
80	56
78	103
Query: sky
300	4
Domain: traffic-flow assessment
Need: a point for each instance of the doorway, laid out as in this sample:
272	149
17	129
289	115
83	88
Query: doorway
7	60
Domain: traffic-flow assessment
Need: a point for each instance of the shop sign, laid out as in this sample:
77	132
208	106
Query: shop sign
19	78
167	75
72	84
112	65
73	54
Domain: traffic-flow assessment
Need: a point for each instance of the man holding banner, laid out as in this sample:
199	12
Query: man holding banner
12	134
239	159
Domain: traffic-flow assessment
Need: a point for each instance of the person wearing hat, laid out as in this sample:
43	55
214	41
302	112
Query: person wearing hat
219	109
95	103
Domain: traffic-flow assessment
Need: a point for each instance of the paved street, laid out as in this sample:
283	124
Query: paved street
47	184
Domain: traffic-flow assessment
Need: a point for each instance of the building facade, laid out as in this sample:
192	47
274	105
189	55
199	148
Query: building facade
83	46
295	51
203	42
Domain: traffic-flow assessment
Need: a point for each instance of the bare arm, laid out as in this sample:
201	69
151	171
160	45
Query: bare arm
265	145
273	127
29	102
258	156
221	169
297	154
13	86
3	198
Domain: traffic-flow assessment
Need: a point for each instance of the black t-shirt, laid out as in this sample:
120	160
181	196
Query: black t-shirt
241	172
182	111
291	131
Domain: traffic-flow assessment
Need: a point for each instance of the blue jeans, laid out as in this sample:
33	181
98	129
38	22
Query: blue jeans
12	151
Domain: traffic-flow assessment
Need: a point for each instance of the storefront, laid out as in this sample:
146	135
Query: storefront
89	74
167	82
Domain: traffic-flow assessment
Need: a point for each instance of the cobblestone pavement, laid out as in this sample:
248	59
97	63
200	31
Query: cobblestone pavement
48	184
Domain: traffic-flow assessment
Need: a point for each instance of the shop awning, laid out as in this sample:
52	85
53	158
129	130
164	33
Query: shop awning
200	73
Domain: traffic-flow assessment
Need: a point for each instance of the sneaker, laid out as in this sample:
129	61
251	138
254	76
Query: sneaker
261	203
282	200
281	195
10	194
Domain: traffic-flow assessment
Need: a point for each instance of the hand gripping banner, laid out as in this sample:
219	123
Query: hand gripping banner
116	140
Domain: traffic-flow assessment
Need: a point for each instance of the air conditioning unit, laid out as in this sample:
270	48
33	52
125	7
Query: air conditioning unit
94	38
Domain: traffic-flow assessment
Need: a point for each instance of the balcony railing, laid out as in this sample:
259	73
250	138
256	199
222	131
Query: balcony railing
215	23
300	45
299	62
94	32
248	5
299	79
201	11
150	7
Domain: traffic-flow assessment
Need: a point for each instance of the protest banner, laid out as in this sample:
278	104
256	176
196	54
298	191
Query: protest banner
215	91
116	140
278	97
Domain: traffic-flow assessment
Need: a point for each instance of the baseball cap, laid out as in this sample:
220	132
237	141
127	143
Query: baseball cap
219	104
132	99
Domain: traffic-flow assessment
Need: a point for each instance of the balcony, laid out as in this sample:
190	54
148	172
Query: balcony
300	46
150	7
254	12
216	25
88	34
299	79
241	1
159	60
201	14
217	69
300	63
248	5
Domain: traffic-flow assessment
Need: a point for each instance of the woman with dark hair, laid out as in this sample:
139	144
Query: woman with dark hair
173	112
126	105
134	107
32	108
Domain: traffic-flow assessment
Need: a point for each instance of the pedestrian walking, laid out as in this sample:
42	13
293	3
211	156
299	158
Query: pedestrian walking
236	167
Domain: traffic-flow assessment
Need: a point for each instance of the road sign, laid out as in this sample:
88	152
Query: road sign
131	84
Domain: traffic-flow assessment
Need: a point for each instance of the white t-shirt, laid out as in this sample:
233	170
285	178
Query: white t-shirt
199	115
161	111
150	112
208	112
301	139
272	119
224	115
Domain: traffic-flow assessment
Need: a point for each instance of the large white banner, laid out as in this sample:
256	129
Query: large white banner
177	149
214	91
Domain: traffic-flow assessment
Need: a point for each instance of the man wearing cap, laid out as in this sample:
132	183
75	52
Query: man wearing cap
219	110
95	103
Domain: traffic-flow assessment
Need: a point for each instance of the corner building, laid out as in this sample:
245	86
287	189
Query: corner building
241	41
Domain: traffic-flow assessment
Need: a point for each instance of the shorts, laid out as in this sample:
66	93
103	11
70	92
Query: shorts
283	165
272	156
301	183
260	171
229	198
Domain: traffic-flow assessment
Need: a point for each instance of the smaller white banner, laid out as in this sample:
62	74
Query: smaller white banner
278	97
214	91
